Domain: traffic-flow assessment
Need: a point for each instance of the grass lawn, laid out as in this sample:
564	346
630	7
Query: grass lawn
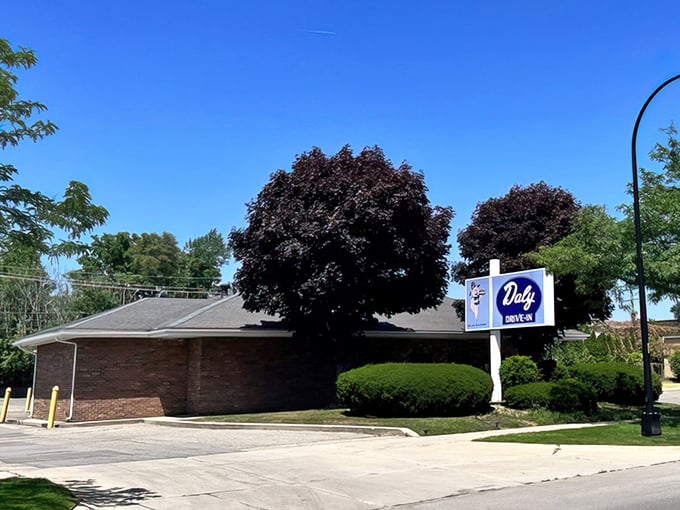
34	494
617	434
495	419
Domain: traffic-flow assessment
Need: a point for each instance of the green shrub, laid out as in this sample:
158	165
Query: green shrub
674	362
616	382
529	396
415	389
606	347
560	372
572	395
634	358
552	370
517	370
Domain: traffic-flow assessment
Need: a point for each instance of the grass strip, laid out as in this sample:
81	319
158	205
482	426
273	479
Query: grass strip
622	434
34	494
495	419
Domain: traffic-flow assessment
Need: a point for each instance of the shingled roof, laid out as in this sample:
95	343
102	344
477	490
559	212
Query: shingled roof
226	317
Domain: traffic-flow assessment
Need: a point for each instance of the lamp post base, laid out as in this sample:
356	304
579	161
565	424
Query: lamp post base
651	423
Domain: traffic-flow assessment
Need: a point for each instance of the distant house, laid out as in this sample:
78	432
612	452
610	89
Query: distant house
167	356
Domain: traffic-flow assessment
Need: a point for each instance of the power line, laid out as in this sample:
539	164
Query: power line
104	285
78	272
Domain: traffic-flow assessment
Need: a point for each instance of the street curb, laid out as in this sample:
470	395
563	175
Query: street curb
33	422
356	429
191	423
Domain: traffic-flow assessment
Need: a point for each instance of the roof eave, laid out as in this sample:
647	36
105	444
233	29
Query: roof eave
179	333
168	333
418	334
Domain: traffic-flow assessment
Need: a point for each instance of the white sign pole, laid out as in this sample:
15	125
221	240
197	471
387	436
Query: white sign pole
495	343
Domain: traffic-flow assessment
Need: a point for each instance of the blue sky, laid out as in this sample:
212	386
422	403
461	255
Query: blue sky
175	113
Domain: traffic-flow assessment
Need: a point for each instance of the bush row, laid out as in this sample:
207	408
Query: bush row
616	382
438	389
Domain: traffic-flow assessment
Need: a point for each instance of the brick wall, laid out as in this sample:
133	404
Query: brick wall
250	374
115	378
54	367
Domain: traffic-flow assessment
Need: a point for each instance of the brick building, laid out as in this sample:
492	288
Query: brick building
167	356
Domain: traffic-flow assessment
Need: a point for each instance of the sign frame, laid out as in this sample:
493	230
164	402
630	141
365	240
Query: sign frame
521	299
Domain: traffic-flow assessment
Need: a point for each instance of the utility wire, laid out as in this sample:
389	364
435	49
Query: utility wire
104	285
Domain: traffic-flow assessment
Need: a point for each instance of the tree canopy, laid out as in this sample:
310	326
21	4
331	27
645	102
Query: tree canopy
340	239
203	257
600	251
588	264
512	228
117	268
660	219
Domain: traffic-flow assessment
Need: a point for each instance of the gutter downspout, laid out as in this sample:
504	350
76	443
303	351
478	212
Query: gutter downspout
35	373
34	353
73	375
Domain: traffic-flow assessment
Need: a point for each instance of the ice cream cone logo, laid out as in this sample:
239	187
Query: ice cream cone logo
476	293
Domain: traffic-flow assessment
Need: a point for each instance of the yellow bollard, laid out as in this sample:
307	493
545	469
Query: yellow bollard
29	394
5	405
53	407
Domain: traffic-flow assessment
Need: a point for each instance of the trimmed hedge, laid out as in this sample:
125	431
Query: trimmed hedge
565	395
529	396
415	389
516	370
616	382
569	395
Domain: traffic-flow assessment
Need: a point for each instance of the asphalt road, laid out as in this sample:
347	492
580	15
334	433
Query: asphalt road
654	487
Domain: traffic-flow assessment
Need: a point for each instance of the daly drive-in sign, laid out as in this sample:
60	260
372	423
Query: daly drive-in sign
511	300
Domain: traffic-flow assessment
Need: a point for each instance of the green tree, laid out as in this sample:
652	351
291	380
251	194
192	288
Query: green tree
339	239
675	310
147	259
154	259
660	220
29	223
29	217
202	258
25	292
107	256
85	301
102	281
592	256
600	251
119	268
29	301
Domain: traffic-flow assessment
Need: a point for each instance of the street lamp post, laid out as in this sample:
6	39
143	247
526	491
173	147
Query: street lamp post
651	420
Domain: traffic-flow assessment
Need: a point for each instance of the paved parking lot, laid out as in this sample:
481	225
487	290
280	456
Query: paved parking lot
59	447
